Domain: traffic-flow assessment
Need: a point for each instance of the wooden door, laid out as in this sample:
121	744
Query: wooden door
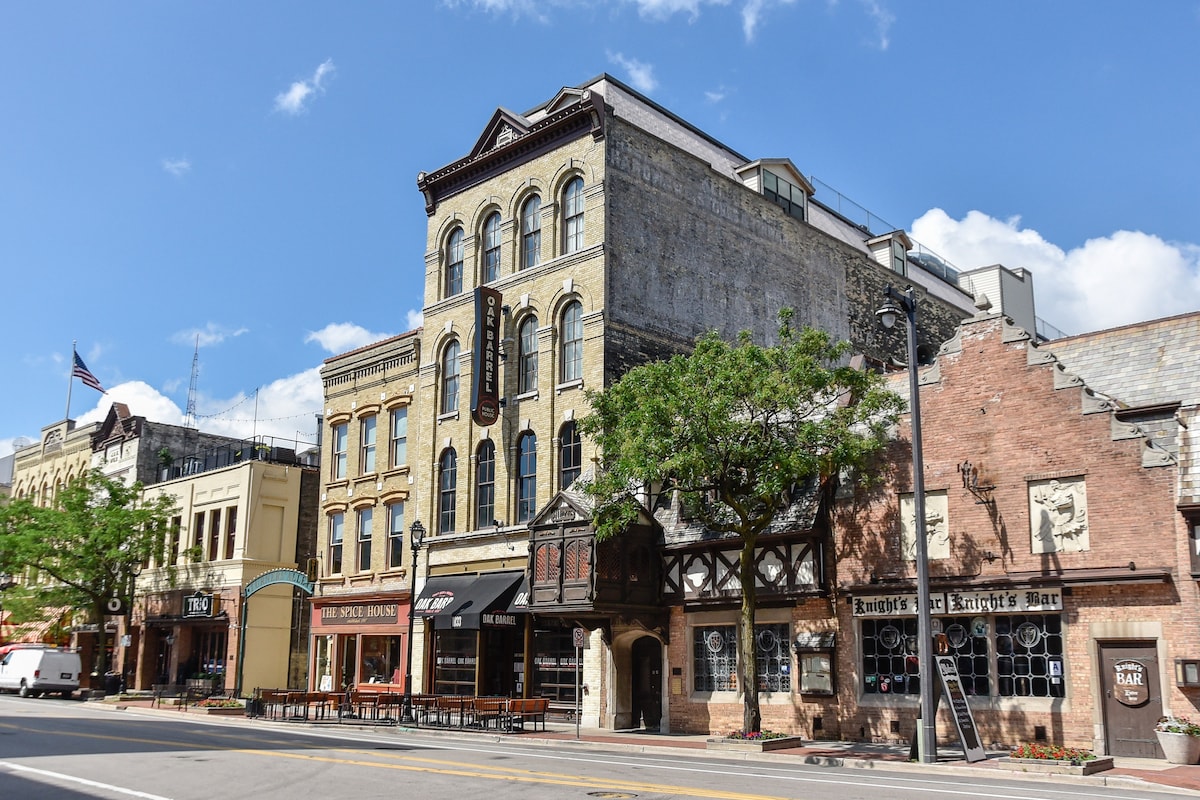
1132	698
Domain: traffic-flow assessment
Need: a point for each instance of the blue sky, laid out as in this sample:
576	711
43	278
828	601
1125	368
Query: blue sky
218	170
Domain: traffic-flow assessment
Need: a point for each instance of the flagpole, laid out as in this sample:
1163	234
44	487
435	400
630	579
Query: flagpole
70	379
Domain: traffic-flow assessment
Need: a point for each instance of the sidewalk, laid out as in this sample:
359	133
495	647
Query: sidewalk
1145	773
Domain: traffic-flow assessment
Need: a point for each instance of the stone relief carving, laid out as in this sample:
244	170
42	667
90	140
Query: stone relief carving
937	526
1058	516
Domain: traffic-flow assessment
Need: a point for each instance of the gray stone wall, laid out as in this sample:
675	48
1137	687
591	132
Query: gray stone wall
689	250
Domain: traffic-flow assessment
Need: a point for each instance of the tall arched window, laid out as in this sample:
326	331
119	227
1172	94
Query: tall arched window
572	342
491	248
454	263
526	477
527	356
573	216
447	490
531	232
485	484
570	455
450	378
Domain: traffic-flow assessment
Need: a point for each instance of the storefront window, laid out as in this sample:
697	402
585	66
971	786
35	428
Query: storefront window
890	656
380	659
454	662
772	658
1027	648
714	661
323	662
554	665
1029	656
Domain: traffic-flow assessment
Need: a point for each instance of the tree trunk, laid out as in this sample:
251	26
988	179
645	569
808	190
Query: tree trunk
100	668
748	668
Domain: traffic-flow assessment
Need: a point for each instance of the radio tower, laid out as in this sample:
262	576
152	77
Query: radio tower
189	417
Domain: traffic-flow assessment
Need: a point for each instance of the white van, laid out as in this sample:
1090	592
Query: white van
36	671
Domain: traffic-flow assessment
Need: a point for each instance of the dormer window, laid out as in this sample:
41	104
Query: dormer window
785	194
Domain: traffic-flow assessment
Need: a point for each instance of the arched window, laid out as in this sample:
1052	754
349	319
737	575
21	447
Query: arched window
491	248
531	232
454	263
485	485
572	342
450	378
573	216
447	490
526	477
570	455
527	356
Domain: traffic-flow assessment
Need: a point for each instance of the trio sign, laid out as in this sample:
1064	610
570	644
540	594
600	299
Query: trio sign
200	604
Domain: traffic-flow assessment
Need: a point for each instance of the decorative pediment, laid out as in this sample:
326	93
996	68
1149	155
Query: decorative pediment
503	128
567	96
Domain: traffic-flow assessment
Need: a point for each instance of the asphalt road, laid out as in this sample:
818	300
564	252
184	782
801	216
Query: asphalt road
63	750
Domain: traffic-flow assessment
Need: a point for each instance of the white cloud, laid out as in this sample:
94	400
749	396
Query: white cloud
339	337
212	333
177	166
641	75
715	96
661	9
415	319
293	100
1108	281
884	19
285	409
143	401
752	13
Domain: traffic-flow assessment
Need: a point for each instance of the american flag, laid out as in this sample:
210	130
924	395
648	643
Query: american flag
84	374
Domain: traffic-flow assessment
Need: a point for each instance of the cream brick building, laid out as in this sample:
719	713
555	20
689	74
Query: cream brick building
614	233
360	609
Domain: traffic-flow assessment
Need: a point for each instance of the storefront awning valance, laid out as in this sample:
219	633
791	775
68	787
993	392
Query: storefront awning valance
469	602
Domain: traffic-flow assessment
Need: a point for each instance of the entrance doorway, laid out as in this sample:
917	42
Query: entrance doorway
647	682
1132	698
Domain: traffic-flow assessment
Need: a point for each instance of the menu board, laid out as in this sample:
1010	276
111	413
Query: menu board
968	734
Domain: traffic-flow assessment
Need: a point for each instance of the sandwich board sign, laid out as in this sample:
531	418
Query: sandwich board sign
968	734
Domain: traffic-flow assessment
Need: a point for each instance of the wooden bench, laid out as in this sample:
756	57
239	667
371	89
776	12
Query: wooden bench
492	712
532	709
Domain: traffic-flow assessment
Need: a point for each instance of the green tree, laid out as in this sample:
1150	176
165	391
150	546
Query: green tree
87	547
734	429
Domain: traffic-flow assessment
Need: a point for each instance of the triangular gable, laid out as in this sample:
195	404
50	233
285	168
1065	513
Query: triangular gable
571	508
567	96
115	423
504	127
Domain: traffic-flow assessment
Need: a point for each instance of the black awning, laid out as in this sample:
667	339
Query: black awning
469	602
521	597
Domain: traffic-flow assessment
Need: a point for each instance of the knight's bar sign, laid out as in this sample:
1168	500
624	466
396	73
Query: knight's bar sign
485	383
200	604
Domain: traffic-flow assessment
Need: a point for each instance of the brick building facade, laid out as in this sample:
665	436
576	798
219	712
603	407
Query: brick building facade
1059	564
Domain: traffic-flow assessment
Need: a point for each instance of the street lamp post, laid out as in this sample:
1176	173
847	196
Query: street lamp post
416	538
906	303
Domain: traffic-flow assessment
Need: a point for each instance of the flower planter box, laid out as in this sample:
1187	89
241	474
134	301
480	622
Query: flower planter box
232	711
754	745
1059	767
1179	748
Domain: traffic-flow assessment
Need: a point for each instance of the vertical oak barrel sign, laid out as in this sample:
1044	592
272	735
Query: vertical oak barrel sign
485	377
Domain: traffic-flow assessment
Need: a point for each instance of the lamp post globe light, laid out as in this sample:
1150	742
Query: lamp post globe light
416	539
906	304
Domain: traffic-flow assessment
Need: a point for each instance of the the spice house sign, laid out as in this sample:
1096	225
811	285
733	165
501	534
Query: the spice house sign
360	614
